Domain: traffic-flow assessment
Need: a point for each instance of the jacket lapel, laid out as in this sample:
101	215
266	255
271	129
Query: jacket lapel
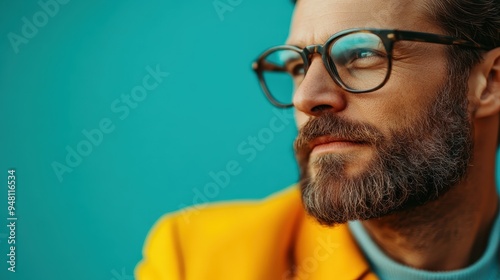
328	253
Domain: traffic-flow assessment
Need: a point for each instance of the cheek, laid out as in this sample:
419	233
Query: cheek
397	108
407	96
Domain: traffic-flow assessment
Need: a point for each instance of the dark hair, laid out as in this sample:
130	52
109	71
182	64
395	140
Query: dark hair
474	20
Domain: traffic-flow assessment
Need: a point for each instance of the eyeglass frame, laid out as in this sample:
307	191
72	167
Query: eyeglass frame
388	38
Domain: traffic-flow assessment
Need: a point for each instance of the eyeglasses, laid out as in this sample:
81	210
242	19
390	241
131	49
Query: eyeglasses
358	60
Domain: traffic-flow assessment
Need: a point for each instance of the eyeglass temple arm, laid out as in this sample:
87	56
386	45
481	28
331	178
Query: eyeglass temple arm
438	39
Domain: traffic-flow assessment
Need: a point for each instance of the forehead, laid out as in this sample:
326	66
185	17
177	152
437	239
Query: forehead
314	21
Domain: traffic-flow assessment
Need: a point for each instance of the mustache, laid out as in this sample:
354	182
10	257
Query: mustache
334	126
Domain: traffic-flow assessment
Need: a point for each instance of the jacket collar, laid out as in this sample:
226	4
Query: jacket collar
327	253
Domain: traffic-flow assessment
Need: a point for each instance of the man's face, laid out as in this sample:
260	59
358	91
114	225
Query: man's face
367	155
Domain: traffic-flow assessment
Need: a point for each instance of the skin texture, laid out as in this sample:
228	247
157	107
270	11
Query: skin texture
450	232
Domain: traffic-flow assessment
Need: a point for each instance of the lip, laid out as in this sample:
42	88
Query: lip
332	144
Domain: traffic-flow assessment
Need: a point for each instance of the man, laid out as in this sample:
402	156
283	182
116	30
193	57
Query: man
397	105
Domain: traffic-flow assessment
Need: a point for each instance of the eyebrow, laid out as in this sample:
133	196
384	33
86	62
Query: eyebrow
301	43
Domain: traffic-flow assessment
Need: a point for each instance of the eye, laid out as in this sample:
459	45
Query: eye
365	53
358	50
296	68
361	58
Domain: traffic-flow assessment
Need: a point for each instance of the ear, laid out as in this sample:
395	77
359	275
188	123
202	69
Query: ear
484	85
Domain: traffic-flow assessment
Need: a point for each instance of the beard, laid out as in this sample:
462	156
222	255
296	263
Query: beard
413	165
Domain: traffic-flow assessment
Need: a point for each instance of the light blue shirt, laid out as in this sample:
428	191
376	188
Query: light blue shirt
487	267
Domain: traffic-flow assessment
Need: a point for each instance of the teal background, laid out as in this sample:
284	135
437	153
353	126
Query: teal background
92	224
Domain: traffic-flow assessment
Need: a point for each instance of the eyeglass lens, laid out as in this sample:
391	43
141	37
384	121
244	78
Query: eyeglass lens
360	60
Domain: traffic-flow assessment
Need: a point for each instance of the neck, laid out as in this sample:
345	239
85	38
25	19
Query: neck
447	234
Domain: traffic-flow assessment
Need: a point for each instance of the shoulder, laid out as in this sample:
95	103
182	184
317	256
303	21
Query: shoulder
229	213
225	219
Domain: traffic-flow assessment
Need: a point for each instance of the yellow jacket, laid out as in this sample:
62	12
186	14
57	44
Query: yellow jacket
269	239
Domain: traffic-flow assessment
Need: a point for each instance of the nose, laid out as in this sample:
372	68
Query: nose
318	93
